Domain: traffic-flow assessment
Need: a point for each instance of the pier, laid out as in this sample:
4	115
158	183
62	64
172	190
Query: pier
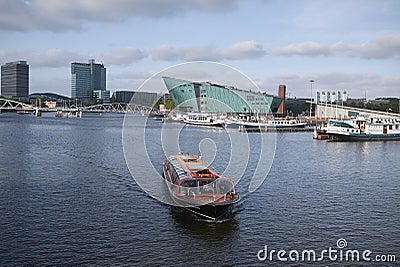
280	130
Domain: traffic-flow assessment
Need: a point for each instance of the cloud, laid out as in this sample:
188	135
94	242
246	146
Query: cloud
27	15
304	49
356	83
127	55
381	48
60	58
50	58
123	56
384	47
241	50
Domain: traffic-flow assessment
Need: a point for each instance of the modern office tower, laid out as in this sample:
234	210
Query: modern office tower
15	79
87	78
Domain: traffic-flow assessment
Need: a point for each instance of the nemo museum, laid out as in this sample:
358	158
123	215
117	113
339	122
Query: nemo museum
208	97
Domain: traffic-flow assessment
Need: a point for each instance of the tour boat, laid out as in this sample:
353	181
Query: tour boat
255	123
199	119
361	129
283	123
197	187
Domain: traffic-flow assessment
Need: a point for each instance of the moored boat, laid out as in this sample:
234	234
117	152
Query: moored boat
197	187
159	116
361	129
199	119
265	124
285	123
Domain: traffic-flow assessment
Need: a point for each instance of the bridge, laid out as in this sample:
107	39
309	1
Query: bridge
13	105
119	108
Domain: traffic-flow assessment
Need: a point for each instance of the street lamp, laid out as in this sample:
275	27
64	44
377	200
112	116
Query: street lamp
311	96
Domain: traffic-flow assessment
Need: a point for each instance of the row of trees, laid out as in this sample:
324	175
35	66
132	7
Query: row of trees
381	104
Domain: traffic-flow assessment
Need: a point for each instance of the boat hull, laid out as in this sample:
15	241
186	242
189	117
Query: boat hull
212	212
364	137
204	124
290	126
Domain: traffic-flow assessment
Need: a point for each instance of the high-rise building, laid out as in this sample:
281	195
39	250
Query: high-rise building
87	78
15	79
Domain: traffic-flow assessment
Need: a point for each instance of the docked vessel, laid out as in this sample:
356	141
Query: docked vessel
200	119
197	187
360	129
255	123
290	123
159	116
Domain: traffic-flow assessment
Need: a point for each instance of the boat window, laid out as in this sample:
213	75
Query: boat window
174	176
204	171
189	183
224	186
204	182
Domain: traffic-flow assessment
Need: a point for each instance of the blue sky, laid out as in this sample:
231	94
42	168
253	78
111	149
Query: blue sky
351	45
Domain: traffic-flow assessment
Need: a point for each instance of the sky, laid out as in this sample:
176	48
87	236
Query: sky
351	45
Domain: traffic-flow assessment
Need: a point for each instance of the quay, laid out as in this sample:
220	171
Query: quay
273	129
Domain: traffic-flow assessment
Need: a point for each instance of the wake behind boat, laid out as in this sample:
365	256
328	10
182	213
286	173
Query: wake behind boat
197	187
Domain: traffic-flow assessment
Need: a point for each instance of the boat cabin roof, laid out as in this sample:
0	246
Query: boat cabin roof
340	124
196	166
191	166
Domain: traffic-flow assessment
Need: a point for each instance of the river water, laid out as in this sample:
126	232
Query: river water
67	198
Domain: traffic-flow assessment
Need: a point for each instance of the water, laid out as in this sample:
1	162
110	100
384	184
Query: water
67	198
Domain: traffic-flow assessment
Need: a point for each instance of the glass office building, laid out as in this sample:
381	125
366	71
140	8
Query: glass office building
15	79
87	78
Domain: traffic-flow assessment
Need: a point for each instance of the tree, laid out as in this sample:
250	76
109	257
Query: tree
40	101
156	105
169	104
